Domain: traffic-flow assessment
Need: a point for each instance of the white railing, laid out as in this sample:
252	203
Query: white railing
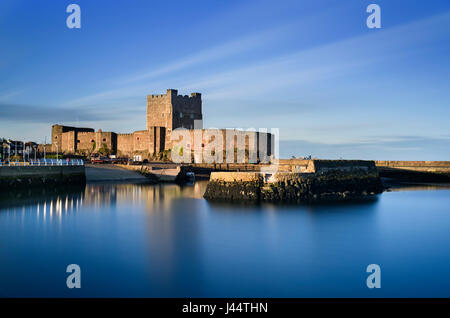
45	162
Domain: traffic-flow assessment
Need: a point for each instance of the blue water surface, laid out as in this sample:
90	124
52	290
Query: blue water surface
167	241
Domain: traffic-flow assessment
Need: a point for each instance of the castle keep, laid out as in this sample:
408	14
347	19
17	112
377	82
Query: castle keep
165	113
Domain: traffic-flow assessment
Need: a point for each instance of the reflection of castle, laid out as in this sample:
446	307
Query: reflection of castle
155	197
165	113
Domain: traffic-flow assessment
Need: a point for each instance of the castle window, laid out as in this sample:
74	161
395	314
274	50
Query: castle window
137	138
104	139
78	141
92	140
56	137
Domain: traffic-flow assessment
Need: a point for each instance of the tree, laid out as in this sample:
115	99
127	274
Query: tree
104	150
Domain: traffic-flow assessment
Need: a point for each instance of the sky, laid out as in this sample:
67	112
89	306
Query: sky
313	69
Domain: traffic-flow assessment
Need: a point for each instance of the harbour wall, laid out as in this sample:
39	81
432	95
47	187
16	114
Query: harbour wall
326	180
41	176
415	171
411	171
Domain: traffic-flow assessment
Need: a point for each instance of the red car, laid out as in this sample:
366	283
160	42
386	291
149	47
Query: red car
99	160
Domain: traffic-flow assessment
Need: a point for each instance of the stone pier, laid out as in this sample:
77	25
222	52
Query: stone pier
322	180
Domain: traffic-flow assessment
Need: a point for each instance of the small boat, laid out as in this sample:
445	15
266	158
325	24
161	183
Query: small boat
190	176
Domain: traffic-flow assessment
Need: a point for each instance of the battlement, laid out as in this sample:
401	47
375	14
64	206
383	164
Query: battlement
83	133
173	93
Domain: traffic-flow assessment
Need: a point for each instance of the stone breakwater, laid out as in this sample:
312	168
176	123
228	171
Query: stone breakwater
40	176
415	171
326	181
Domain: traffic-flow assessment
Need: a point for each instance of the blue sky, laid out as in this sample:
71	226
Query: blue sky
313	69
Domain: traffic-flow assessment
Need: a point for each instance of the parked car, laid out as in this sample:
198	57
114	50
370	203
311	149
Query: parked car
134	162
119	161
99	160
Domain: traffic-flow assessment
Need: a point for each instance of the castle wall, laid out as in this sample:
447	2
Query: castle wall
125	144
235	145
142	142
88	142
66	142
106	139
58	130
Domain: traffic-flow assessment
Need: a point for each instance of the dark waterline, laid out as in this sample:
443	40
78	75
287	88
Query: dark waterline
166	241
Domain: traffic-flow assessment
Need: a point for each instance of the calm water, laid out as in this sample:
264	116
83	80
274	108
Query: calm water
166	241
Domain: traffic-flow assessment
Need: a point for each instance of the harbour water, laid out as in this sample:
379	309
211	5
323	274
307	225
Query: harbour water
137	240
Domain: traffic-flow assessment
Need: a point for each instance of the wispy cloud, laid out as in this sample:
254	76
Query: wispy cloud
7	96
245	43
301	68
11	113
324	61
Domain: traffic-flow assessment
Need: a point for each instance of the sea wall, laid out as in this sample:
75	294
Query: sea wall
415	171
234	186
40	176
328	181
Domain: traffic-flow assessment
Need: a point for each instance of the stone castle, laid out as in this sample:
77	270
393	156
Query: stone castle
165	113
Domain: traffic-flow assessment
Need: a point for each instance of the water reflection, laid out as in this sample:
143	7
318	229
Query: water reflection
153	196
399	186
58	201
47	203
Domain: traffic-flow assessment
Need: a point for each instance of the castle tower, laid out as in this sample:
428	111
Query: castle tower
173	111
